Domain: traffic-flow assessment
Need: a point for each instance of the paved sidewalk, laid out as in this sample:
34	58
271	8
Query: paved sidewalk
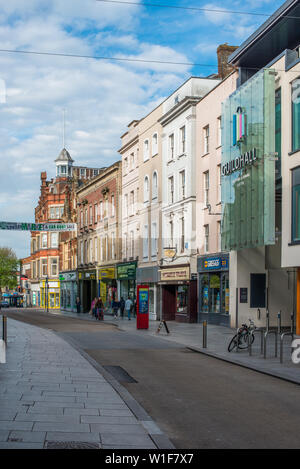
218	338
52	397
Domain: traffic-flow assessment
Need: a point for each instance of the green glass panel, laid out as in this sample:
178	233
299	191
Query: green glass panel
248	164
296	205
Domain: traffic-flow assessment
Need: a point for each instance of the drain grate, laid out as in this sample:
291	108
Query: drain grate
119	374
71	445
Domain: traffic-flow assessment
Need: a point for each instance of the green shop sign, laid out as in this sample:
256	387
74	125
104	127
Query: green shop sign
126	271
248	164
6	225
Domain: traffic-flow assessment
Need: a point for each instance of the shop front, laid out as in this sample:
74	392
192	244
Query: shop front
88	289
50	294
213	281
126	276
178	294
150	276
68	291
107	285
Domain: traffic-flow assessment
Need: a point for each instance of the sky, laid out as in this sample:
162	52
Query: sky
100	97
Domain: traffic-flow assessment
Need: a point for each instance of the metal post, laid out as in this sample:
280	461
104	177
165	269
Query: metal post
267	321
204	334
4	329
237	341
279	322
250	343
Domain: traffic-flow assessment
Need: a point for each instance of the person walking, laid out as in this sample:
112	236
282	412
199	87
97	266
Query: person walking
115	307
122	307
78	305
128	305
99	310
93	307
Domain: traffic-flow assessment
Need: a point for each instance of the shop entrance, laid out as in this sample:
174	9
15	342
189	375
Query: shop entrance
168	302
214	294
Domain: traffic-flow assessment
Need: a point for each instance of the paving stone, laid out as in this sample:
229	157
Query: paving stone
117	428
12	445
44	398
46	410
8	414
48	418
81	412
60	427
13	425
4	435
116	412
64	394
75	405
75	436
126	439
108	419
130	447
27	437
105	399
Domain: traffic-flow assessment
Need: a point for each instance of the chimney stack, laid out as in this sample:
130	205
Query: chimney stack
223	52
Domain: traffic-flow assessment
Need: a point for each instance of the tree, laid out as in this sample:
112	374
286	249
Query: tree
8	268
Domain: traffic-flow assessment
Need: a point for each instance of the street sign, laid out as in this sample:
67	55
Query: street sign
15	226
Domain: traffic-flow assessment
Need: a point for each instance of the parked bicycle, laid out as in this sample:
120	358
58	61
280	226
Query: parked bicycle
241	339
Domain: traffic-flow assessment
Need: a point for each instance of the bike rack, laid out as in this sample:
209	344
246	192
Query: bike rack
267	333
258	329
284	334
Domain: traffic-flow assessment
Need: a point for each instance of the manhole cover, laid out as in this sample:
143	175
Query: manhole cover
119	374
71	445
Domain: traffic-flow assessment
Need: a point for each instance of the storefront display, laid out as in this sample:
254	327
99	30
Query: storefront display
50	294
107	285
68	291
126	276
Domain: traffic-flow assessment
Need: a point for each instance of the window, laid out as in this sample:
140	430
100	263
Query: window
126	205
131	207
146	150
182	183
54	240
171	190
53	266
101	249
154	144
182	235
82	172
44	240
86	217
154	240
91	214
112	205
171	146
182	139
95	172
206	188
125	165
131	243
81	253
145	242
44	268
296	204
219	186
106	208
206	139
113	246
81	219
206	238
219	131
132	160
125	245
296	115
146	189
171	229
96	249
33	245
154	185
96	212
34	269
91	250
101	210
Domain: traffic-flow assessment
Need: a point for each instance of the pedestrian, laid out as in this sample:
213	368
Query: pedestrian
128	305
93	307
115	307
78	305
122	307
99	310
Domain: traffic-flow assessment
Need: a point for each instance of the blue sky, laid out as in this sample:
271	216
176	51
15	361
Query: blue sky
100	97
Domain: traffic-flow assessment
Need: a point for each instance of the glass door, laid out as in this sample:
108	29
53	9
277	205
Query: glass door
225	293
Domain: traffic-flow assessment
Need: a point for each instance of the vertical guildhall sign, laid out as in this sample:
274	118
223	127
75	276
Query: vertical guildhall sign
238	126
248	164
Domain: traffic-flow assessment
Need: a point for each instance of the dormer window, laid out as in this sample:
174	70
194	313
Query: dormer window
63	170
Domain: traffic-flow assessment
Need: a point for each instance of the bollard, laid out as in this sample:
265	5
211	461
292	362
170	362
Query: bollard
4	329
279	322
204	334
267	321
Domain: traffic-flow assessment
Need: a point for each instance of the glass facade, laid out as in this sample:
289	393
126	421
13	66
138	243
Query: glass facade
296	115
296	205
248	164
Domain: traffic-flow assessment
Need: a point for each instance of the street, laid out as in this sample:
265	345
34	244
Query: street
198	401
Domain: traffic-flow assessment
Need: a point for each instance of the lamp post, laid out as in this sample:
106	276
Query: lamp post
47	287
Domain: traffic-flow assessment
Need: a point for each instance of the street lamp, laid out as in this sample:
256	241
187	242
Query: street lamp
47	293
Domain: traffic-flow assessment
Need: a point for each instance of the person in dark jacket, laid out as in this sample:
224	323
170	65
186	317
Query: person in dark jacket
78	305
122	307
115	307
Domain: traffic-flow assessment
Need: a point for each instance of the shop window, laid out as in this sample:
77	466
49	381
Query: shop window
182	298
296	204
257	290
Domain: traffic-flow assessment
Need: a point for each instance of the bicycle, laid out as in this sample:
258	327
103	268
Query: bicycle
241	339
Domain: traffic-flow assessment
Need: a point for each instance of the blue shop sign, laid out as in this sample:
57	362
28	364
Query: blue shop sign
215	263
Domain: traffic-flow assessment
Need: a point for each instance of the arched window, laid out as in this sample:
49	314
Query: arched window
146	189
154	185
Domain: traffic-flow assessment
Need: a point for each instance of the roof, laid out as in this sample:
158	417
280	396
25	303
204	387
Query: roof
64	156
279	32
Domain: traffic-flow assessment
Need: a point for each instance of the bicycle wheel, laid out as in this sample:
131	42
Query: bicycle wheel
233	343
243	340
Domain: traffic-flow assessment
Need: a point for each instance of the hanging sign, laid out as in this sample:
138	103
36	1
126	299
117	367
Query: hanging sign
7	225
